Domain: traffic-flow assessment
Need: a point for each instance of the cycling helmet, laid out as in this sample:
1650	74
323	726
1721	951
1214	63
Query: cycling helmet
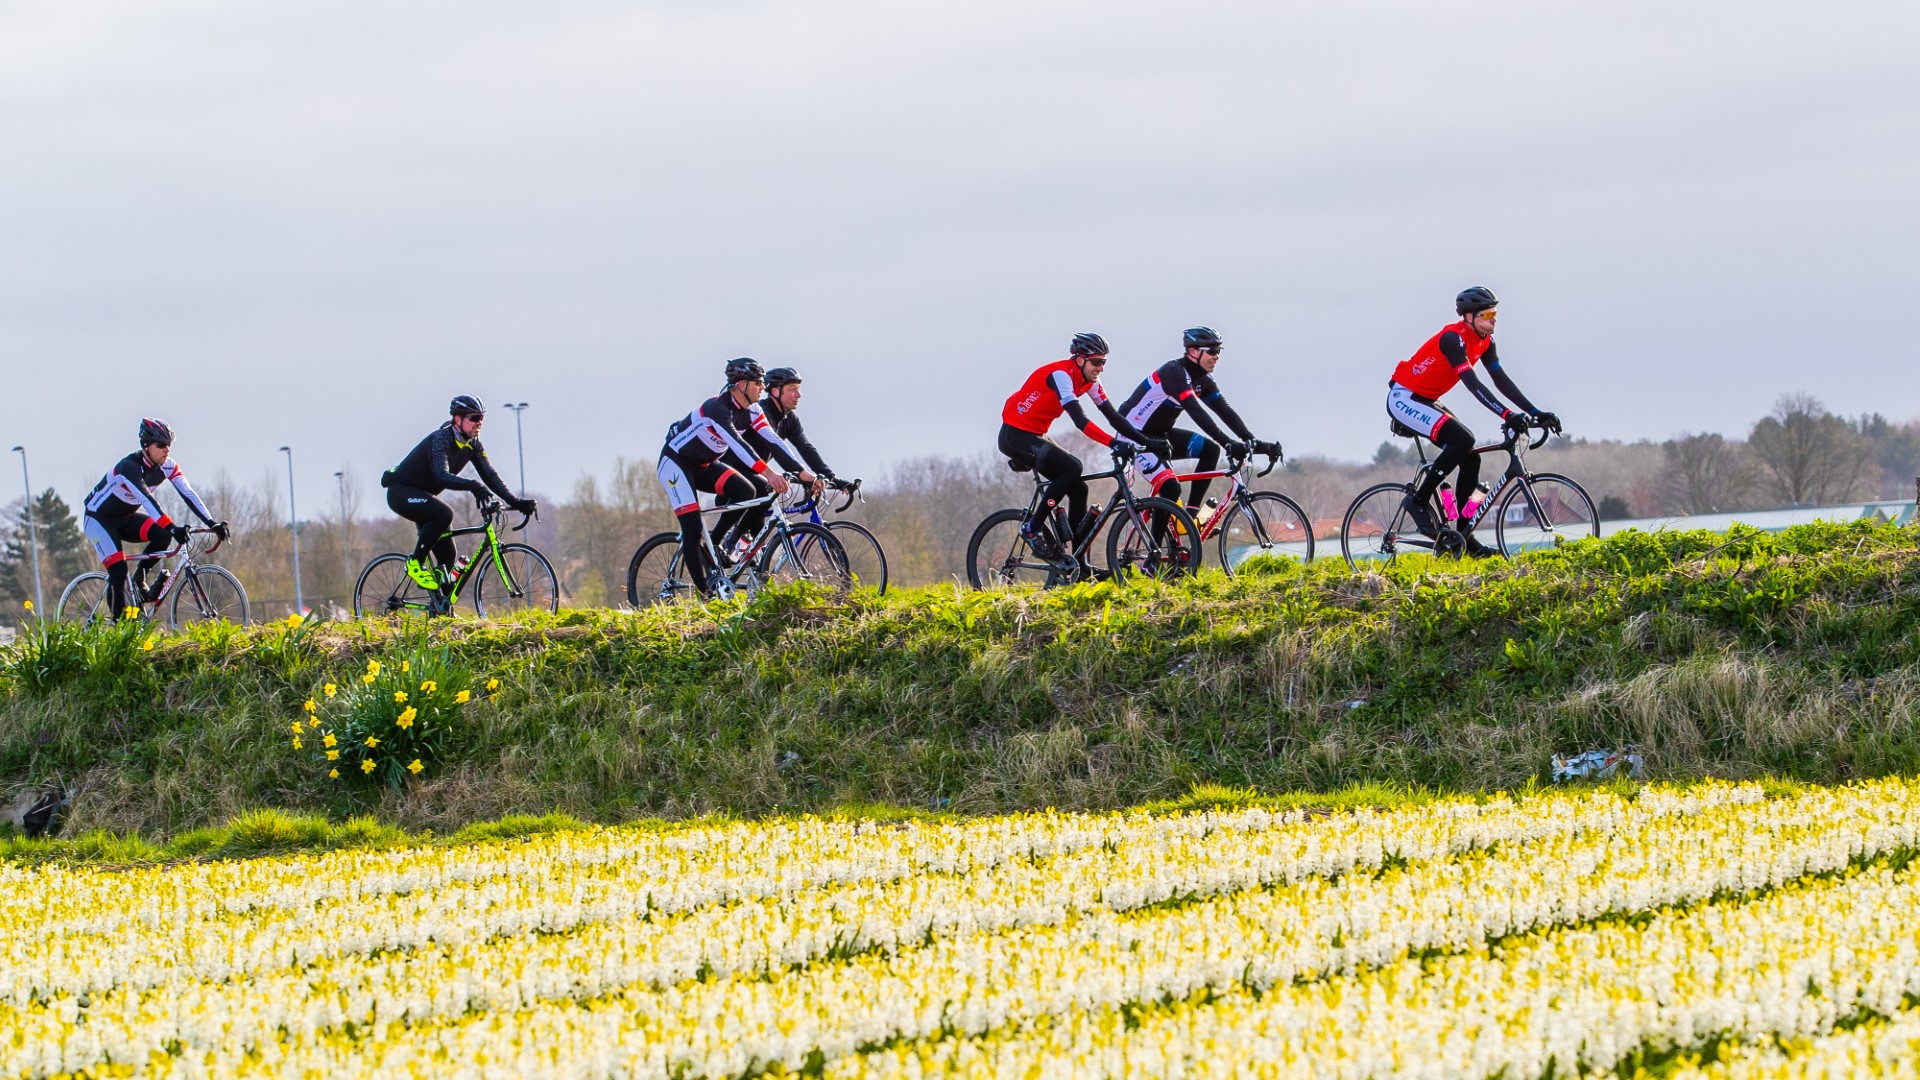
1089	345
155	432
1201	337
781	376
744	367
1474	300
467	405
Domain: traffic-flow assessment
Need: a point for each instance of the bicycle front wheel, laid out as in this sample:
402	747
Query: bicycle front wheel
520	580
1377	528
1268	525
209	594
656	575
1544	510
808	553
866	559
998	557
385	588
1156	539
83	600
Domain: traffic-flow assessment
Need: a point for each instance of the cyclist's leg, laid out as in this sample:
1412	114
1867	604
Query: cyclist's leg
431	518
1206	455
733	487
1456	452
684	497
1064	486
106	544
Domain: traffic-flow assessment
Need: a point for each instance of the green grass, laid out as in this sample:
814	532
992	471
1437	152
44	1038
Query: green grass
1746	654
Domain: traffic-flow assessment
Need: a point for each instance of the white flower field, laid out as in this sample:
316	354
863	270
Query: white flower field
1708	930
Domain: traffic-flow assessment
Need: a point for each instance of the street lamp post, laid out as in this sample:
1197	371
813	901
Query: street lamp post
346	534
33	535
293	515
520	445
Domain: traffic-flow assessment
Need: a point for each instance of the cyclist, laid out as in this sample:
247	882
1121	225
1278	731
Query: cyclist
1183	384
121	507
1031	411
1445	361
434	466
783	397
701	453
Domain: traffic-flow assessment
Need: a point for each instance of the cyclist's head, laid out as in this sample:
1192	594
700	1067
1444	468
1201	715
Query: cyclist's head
1203	347
467	405
155	433
783	386
1088	345
748	370
1475	300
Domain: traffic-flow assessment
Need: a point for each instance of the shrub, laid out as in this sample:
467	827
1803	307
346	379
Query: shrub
397	720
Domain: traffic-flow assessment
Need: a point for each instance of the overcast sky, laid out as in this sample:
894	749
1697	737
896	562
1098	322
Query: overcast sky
312	223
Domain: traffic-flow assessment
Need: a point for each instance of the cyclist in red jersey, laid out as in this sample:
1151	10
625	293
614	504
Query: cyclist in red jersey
1445	361
1031	411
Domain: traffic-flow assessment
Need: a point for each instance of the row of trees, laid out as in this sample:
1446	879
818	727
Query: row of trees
925	508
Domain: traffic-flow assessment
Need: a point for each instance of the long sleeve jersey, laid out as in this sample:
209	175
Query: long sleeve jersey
436	463
721	429
1056	389
786	426
1176	386
127	490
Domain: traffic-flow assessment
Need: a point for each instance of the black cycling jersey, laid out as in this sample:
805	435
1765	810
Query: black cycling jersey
787	425
719	428
1180	384
435	465
127	491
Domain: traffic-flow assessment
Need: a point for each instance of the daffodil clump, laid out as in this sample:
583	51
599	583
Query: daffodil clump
397	719
1707	931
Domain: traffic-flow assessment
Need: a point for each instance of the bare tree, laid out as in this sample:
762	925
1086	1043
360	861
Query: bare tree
1808	456
1706	474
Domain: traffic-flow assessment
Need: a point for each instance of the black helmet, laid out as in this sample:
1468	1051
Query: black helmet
744	367
1474	300
467	405
154	432
1089	345
1201	337
781	376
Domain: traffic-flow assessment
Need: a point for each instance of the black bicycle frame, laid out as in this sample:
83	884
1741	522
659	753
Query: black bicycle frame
1122	493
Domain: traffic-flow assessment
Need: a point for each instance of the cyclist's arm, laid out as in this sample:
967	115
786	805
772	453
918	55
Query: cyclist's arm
131	489
797	439
1176	385
489	475
762	437
1120	423
1210	393
1505	382
443	473
179	481
1455	350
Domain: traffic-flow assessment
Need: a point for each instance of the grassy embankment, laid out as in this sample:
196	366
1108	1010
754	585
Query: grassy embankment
1790	655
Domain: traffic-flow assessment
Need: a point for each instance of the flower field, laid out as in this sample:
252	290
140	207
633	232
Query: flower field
1711	930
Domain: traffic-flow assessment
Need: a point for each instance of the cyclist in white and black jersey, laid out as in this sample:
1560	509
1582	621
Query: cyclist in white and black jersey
121	508
1185	384
722	447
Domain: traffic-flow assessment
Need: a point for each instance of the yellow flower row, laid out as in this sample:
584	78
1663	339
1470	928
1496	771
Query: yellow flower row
978	978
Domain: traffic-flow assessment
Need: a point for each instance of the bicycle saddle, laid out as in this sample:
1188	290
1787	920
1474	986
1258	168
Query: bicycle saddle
1403	430
1020	466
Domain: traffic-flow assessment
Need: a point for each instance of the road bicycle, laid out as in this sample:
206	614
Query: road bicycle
192	592
866	559
1529	509
1255	524
781	553
504	578
1150	536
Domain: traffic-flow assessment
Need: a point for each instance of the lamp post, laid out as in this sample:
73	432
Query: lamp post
293	515
346	534
519	445
33	535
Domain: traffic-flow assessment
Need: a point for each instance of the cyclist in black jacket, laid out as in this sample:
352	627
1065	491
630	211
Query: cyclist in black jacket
1184	385
721	447
121	508
783	397
431	468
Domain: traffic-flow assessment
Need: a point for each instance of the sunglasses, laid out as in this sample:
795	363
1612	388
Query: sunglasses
1215	351
1096	361
475	417
1489	315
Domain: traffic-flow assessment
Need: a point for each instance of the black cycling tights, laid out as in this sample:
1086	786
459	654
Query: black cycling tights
1456	451
430	516
1061	469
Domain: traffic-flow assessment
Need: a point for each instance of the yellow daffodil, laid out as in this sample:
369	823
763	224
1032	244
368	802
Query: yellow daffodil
366	765
415	767
329	740
368	678
492	685
294	619
331	689
313	721
29	605
372	741
429	686
147	645
333	755
373	667
406	666
296	742
399	695
312	706
462	697
405	719
296	727
333	774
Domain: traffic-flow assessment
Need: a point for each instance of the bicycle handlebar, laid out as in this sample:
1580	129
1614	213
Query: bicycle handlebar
218	539
852	490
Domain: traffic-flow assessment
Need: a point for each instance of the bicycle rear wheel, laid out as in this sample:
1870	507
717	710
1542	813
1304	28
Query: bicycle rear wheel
809	553
998	557
209	594
83	600
1157	539
1377	529
866	559
522	580
1267	526
1560	510
385	588
656	574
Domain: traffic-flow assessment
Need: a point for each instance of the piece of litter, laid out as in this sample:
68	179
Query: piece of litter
1356	704
1598	765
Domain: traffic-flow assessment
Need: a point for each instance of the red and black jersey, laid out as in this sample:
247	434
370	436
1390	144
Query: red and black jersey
1447	360
127	490
1052	390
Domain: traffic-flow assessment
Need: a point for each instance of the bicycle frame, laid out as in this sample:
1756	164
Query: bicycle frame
184	553
1516	445
1238	484
774	523
1122	494
491	545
